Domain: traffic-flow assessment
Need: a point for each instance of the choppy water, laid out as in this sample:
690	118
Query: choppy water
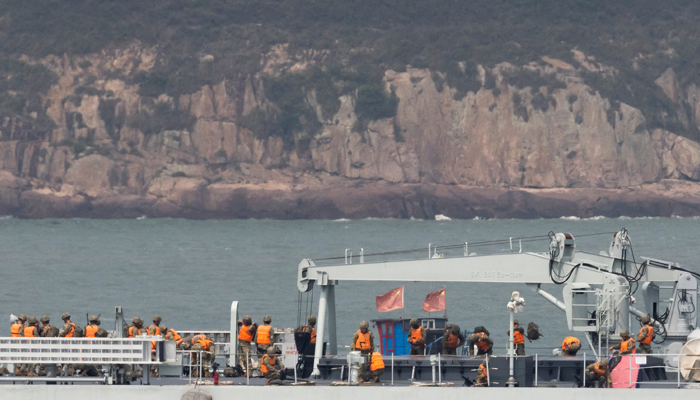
190	271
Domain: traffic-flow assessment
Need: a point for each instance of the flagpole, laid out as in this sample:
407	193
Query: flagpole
444	290
403	308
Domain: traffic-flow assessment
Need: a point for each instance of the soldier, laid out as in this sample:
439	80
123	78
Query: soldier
69	328
263	336
626	346
570	346
17	328
94	330
598	372
483	343
375	370
646	335
482	377
269	364
363	339
46	329
518	338
246	333
416	338
310	328
31	330
136	328
202	343
154	329
171	334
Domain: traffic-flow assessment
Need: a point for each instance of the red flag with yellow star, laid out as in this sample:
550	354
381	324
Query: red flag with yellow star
392	300
434	301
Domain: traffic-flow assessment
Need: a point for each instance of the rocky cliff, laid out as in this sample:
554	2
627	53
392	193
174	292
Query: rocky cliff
503	149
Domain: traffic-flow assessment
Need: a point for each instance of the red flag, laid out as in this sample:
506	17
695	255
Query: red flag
434	301
392	300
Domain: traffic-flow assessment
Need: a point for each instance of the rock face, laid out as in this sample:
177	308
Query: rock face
500	151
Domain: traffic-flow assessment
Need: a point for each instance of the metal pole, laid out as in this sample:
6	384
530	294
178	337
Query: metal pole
392	369
630	364
321	327
247	368
678	370
439	370
584	369
488	372
332	332
511	348
537	367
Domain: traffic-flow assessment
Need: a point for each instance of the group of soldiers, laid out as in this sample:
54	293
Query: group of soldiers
270	366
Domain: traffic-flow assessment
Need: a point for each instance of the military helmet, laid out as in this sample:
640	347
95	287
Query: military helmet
312	320
157	318
65	316
414	321
137	321
163	329
515	322
45	319
603	363
22	317
271	351
247	320
455	329
473	338
94	318
625	333
364	324
645	319
267	319
32	321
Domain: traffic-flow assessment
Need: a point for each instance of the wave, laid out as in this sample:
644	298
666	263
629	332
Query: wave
5	216
442	217
341	220
571	218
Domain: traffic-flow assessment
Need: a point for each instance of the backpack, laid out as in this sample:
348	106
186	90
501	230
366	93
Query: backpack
533	332
78	332
480	329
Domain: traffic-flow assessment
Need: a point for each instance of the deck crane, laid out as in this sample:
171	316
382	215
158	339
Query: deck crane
596	291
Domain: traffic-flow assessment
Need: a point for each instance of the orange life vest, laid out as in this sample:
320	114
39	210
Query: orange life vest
417	334
518	338
482	371
313	335
625	344
31	331
176	337
453	341
481	344
134	331
362	342
598	370
157	329
272	361
569	341
264	334
203	340
377	362
15	329
91	330
244	334
72	329
650	334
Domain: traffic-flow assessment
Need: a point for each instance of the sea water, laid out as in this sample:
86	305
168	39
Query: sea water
188	272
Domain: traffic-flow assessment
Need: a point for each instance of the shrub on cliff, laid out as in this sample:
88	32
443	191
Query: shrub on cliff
374	103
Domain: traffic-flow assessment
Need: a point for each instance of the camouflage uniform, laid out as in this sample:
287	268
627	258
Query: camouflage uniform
208	355
519	347
647	329
475	338
272	373
363	325
67	327
417	346
452	330
22	321
154	329
625	335
245	350
366	374
592	376
31	369
46	329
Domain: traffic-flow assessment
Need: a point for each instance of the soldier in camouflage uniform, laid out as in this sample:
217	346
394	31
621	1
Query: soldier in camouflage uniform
202	343
46	329
416	337
598	372
268	365
246	333
68	329
154	329
94	329
646	335
266	327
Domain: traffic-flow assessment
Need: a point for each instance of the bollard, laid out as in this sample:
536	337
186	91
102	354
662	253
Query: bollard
433	363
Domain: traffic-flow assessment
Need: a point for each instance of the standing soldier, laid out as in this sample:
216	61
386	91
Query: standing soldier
136	328
263	336
31	330
269	364
17	328
246	333
451	339
626	346
518	338
646	335
46	329
598	372
363	339
570	346
416	338
310	328
69	328
154	329
94	330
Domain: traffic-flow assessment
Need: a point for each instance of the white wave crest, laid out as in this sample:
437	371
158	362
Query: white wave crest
442	217
341	220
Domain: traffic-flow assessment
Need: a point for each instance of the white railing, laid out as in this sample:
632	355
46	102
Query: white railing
78	350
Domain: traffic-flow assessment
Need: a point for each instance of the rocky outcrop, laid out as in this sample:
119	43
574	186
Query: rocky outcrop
500	151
